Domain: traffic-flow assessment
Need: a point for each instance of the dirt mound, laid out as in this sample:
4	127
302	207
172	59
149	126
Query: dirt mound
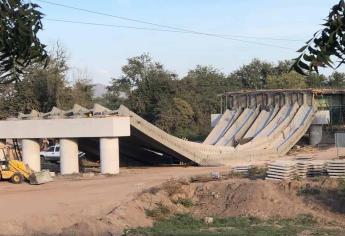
231	197
259	198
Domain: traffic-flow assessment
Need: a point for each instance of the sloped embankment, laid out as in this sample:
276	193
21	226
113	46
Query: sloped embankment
222	198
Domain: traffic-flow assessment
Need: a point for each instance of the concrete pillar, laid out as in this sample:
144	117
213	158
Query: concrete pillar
315	135
270	99
252	101
305	98
31	153
2	149
69	160
286	99
109	152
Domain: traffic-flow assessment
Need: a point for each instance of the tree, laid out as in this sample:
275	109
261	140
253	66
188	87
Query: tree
325	45
254	75
42	88
51	87
82	89
336	80
19	45
290	80
176	117
142	85
117	93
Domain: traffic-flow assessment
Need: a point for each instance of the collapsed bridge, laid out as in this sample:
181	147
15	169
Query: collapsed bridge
254	125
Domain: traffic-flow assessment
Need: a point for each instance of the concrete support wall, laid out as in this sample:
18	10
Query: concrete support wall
315	134
109	154
69	161
31	153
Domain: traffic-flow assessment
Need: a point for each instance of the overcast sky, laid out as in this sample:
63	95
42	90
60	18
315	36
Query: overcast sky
103	50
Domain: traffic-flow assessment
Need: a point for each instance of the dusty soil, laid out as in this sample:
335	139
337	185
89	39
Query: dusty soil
218	198
102	204
53	206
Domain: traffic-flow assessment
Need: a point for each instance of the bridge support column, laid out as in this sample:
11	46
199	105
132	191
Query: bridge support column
2	149
31	153
305	98
109	152
69	160
315	135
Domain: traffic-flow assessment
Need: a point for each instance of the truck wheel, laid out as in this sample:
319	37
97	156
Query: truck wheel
17	178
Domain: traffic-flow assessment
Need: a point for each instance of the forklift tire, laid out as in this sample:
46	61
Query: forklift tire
17	178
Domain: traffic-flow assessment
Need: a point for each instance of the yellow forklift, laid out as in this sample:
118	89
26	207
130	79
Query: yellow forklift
17	171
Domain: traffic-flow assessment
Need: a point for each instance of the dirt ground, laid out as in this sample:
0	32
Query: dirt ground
54	206
50	207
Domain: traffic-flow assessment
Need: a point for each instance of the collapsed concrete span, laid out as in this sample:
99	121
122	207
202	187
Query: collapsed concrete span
254	132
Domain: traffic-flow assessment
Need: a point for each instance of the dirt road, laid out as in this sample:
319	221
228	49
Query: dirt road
53	206
49	208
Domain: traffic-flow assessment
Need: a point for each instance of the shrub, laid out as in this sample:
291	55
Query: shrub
307	190
172	187
186	202
160	211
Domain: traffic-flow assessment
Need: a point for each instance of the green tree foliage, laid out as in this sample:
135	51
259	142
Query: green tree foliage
290	80
176	117
117	94
336	80
19	45
254	75
200	88
44	87
50	84
325	44
82	89
183	106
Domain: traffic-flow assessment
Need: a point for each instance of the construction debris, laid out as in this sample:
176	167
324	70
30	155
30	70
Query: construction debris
281	170
302	166
244	169
317	168
336	168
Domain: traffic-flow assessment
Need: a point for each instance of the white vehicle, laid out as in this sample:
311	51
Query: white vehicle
53	153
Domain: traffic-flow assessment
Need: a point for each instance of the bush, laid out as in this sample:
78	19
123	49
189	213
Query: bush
257	172
307	190
186	202
341	189
158	212
172	187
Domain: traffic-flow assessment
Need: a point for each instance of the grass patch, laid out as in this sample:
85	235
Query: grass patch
160	211
186	202
183	225
257	172
341	190
307	190
172	187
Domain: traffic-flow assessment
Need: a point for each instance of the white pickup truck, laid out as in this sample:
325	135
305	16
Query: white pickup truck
53	153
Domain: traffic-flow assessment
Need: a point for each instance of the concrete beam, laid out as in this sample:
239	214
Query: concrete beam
65	128
69	160
109	152
31	153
